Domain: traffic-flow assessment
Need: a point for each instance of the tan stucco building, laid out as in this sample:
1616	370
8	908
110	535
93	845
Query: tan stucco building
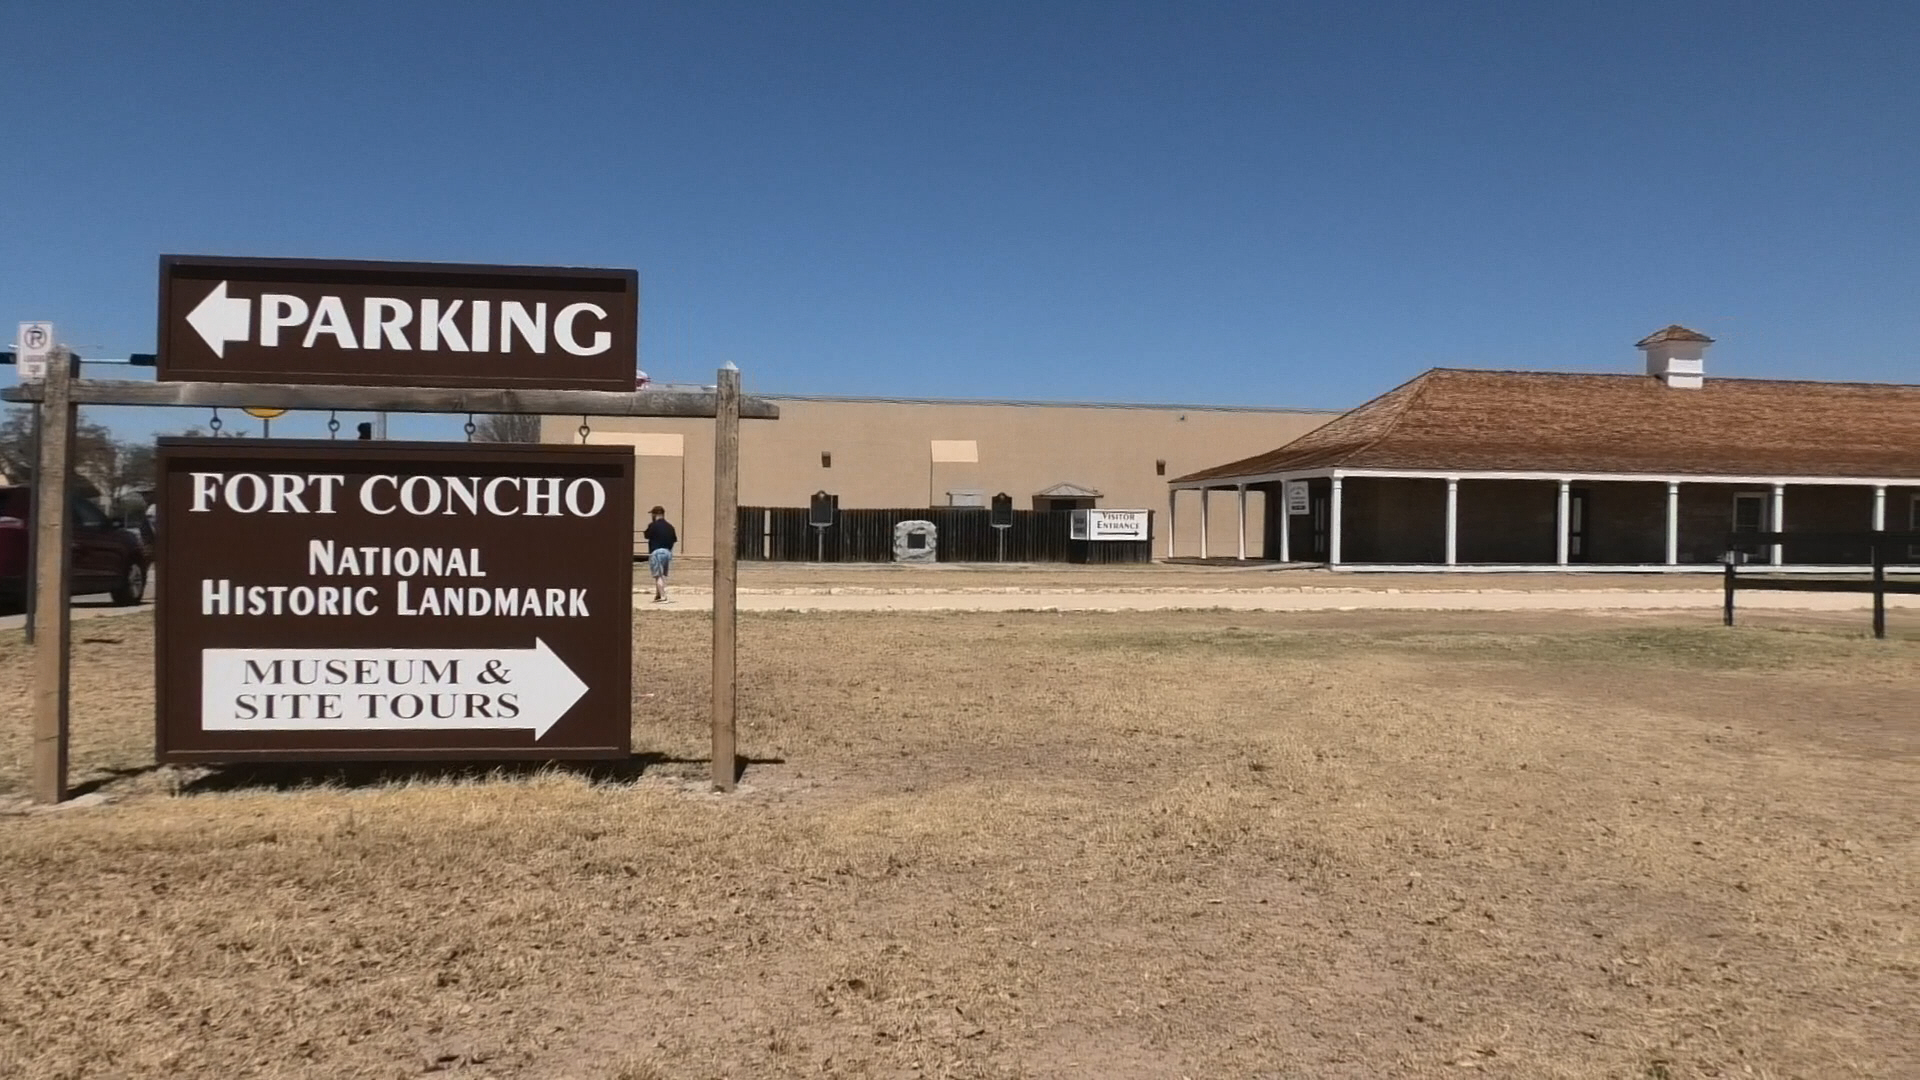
901	452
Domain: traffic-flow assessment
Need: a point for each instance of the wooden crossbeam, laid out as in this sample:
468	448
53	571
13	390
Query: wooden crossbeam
224	395
1810	584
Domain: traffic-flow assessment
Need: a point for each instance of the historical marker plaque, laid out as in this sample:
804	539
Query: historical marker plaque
397	324
327	600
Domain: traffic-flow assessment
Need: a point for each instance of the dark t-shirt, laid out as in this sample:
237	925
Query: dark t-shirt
659	535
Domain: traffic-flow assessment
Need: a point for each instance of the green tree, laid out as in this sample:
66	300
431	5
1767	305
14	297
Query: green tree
95	454
16	444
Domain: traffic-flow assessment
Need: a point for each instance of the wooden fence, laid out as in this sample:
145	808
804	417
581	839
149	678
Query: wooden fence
965	535
1879	548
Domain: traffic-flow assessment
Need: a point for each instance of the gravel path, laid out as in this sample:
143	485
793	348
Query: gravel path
1272	600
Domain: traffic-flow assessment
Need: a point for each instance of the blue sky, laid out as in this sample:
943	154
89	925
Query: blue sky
1273	203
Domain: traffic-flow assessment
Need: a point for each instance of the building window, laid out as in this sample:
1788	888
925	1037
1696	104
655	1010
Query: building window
955	451
826	459
1160	467
1750	516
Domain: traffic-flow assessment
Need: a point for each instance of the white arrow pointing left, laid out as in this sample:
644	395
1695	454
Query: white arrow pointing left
386	689
221	318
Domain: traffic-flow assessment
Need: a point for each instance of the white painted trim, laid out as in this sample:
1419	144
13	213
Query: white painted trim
1880	508
1673	523
1243	523
1579	477
1624	478
1333	525
1453	520
1259	478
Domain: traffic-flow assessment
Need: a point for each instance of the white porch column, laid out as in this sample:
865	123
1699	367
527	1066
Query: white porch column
1564	515
1173	513
1778	555
1243	522
1286	524
1205	525
1673	523
1333	525
1453	521
1879	508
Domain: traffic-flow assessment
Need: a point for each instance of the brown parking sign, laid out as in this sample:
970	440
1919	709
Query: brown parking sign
397	324
393	601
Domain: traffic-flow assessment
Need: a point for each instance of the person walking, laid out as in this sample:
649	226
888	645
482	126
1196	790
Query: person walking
660	541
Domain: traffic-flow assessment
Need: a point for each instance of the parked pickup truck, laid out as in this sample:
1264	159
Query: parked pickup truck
107	558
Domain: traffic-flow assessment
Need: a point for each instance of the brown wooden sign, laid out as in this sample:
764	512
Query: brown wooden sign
397	324
329	600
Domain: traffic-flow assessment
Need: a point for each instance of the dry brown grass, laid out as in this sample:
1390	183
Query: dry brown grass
1031	845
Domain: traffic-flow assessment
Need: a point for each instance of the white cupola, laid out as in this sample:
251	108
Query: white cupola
1675	356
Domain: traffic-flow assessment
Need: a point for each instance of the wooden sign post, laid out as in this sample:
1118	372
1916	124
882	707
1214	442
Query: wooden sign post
726	526
60	396
53	564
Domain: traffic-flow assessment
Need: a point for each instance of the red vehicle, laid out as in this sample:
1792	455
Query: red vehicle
107	558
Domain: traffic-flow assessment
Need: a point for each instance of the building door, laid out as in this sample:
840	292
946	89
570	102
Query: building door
1320	526
1577	526
1749	516
1913	522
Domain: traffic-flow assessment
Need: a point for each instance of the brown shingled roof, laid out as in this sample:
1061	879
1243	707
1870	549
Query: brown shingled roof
1673	332
1521	421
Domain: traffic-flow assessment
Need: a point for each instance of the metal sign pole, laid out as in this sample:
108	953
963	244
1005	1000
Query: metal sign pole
32	588
726	526
51	566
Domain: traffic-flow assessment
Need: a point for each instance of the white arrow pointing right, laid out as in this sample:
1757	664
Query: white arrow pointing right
386	689
221	318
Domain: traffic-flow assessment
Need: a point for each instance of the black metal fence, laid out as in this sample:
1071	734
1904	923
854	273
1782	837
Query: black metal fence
965	535
1881	548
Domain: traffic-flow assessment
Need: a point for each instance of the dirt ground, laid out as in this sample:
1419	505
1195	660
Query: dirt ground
1028	845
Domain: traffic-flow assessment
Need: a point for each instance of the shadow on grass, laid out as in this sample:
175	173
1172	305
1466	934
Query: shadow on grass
107	776
298	776
1767	645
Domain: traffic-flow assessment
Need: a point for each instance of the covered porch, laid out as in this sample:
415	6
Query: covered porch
1465	521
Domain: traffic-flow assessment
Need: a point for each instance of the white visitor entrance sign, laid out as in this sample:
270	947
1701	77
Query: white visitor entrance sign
1112	525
